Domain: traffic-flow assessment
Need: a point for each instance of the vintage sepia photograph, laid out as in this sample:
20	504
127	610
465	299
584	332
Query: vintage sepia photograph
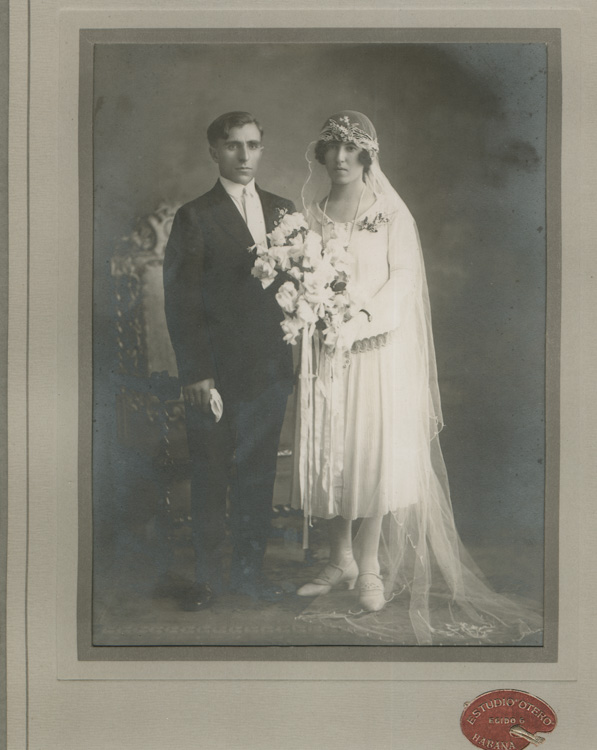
299	372
319	302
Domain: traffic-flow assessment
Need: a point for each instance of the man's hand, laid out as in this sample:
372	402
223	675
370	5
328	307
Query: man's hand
197	394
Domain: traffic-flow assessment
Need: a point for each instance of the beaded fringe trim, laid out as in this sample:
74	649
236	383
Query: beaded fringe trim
373	342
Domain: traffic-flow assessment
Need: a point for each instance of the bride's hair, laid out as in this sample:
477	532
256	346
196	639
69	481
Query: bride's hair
346	127
322	147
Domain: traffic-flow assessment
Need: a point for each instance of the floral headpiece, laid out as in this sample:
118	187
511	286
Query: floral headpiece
348	132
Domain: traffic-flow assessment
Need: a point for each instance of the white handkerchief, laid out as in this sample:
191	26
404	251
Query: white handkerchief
216	403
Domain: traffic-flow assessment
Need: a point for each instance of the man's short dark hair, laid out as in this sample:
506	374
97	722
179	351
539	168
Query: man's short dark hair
222	125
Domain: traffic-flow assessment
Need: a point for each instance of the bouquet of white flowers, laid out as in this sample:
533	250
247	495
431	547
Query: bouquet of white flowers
315	295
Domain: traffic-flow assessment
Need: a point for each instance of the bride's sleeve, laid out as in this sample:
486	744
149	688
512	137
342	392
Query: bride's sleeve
389	306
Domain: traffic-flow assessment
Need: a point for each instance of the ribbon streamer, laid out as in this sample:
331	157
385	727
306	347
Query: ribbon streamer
321	451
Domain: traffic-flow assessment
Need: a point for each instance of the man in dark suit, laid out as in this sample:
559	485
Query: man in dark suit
225	331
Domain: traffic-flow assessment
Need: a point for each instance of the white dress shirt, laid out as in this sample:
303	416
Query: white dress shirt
247	201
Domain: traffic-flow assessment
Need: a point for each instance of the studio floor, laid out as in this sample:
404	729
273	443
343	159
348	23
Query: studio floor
139	580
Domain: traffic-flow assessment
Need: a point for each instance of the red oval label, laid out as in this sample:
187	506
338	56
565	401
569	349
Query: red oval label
507	720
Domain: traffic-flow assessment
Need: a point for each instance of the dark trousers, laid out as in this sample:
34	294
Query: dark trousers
239	452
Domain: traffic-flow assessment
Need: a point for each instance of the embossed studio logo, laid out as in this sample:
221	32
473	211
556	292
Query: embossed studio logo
507	720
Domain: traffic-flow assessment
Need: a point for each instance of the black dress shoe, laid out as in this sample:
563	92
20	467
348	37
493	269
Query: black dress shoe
259	588
198	596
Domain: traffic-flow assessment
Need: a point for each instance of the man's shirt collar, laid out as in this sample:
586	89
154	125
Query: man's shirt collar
235	189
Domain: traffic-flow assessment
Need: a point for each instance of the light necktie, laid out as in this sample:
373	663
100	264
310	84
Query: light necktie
252	217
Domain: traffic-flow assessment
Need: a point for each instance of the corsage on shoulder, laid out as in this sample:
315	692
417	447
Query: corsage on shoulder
373	224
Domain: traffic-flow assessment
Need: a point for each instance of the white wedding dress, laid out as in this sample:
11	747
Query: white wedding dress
373	449
368	429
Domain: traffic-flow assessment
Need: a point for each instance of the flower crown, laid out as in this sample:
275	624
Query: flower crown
347	132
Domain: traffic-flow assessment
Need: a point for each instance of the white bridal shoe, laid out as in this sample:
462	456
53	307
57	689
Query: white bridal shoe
330	576
371	592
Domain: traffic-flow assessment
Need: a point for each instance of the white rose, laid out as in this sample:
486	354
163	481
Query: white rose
261	249
324	271
305	312
292	222
277	236
316	280
280	257
264	270
287	297
296	248
300	221
292	328
311	282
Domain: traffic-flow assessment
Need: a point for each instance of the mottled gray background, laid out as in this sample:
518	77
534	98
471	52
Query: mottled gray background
462	132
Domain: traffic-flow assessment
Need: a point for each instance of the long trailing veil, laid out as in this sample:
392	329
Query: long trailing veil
430	580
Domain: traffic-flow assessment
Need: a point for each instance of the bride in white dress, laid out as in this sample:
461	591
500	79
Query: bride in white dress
373	448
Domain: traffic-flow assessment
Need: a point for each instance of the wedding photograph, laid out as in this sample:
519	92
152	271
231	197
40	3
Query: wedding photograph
299	375
319	332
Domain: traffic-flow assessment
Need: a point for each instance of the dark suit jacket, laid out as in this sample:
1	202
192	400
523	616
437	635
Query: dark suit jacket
222	323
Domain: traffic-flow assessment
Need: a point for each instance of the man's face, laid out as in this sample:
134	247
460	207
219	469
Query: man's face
238	156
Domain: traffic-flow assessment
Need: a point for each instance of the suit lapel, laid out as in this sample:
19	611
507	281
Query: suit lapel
269	209
226	215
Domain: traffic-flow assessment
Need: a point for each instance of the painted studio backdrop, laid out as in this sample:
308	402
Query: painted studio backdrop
462	133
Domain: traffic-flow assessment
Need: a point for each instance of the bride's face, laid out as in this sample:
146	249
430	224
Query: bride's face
342	163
